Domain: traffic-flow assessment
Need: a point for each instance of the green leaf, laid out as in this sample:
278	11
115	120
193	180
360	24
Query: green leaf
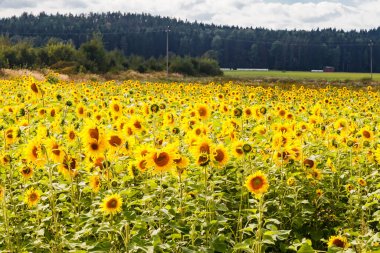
306	248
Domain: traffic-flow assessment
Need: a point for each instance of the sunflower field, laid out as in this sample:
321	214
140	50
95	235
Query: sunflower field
187	167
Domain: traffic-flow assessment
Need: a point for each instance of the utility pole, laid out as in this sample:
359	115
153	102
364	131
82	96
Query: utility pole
167	51
370	44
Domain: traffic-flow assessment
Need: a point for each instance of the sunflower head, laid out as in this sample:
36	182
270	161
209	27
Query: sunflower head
95	183
338	241
257	184
32	197
112	204
26	172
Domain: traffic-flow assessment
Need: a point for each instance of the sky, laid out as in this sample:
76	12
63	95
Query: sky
272	14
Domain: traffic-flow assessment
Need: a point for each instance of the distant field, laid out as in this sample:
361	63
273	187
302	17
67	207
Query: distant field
299	75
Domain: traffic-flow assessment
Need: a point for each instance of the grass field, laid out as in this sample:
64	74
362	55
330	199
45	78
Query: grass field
299	75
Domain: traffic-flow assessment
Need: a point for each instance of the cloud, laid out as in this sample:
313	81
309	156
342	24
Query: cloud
274	14
17	4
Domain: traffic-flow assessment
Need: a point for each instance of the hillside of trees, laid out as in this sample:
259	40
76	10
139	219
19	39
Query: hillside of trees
92	57
233	47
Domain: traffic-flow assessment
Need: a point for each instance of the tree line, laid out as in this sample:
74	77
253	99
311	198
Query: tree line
144	35
91	56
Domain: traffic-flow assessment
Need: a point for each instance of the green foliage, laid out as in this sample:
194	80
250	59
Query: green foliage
93	57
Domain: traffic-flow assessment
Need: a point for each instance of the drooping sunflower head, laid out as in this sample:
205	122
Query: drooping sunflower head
257	184
338	241
112	204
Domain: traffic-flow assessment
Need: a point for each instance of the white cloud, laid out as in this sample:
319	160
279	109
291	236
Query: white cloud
275	14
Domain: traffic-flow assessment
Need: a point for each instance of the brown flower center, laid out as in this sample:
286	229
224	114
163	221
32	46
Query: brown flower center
366	134
162	159
94	146
55	150
256	183
34	88
33	197
112	203
338	243
115	141
72	135
94	133
204	148
219	155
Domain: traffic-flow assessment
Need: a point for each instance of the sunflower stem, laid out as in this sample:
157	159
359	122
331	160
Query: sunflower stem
161	200
6	221
206	203
259	234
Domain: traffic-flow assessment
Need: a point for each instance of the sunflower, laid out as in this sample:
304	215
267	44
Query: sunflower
203	111
319	192
116	108
257	184
11	135
115	140
141	164
71	134
56	152
181	161
81	111
315	174
202	146
338	241
237	149
349	187
95	183
34	88
32	197
95	147
137	124
220	156
291	181
26	172
112	204
161	160
33	152
361	182
69	166
309	163
366	133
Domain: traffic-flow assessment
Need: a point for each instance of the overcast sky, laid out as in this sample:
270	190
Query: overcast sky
275	14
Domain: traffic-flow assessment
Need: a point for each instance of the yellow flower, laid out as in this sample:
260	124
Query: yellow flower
257	184
112	204
161	160
95	183
338	241
319	192
220	156
291	181
32	197
362	182
203	111
26	172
